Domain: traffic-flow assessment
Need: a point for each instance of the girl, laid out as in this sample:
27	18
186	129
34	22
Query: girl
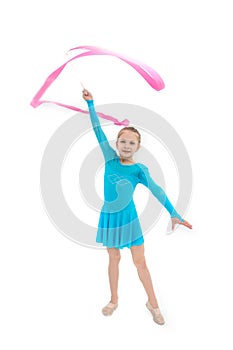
119	225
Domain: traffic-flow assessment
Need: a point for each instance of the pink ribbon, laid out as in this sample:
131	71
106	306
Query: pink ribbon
148	73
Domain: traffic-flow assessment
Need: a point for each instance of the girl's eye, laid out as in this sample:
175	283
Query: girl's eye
122	141
132	143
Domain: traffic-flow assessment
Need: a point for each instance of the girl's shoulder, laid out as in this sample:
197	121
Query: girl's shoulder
142	171
142	166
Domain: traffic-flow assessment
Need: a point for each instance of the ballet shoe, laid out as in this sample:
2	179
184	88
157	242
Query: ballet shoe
156	313
109	309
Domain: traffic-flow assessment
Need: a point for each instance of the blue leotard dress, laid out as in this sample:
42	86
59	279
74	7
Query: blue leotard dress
119	225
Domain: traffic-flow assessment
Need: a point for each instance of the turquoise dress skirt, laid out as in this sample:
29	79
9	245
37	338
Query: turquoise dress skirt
120	229
119	224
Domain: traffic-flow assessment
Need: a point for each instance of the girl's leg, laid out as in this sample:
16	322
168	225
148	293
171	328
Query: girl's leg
143	273
113	272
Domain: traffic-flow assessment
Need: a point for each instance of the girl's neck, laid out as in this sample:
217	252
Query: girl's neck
126	161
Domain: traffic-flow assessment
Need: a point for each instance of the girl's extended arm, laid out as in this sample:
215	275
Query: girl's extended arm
158	192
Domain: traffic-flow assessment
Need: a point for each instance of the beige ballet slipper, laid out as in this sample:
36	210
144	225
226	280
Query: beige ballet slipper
156	313
109	309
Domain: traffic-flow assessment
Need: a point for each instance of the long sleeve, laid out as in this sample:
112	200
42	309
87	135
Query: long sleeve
108	151
158	192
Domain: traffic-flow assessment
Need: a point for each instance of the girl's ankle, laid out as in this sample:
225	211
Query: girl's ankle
114	300
154	304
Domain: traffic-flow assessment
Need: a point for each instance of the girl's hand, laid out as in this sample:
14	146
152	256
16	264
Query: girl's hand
177	221
87	95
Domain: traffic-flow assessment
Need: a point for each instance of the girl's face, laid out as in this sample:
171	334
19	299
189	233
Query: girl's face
127	144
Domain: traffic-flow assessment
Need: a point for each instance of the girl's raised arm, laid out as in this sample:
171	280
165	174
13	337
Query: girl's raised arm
108	151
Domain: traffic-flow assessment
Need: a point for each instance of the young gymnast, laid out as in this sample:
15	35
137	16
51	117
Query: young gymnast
119	224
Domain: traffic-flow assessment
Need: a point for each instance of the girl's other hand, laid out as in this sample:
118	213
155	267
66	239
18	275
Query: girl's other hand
177	221
87	95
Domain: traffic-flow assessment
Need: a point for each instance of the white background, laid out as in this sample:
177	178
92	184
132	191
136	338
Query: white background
52	290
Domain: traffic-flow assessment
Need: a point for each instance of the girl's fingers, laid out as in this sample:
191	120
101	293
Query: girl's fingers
187	224
85	92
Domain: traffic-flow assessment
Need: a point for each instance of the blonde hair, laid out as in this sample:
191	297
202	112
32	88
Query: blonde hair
129	128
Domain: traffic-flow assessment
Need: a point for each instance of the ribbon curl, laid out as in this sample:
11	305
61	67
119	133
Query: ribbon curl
148	73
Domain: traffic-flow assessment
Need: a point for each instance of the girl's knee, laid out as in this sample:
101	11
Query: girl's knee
114	254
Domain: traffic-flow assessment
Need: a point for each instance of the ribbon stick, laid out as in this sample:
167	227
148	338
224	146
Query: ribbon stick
148	73
82	85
